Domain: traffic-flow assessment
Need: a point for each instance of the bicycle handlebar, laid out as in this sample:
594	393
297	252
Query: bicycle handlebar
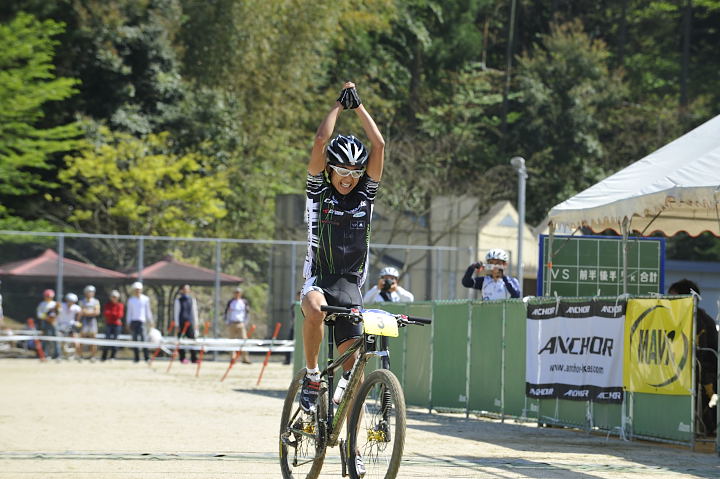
335	309
345	310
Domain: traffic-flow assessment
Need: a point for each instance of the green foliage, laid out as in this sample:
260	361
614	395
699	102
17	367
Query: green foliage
126	185
27	84
567	94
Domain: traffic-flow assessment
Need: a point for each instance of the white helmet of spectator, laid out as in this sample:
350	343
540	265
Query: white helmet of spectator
389	271
497	253
89	289
137	285
71	297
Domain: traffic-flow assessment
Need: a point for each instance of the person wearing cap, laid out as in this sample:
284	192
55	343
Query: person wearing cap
68	322
388	289
113	311
185	311
237	313
490	278
89	315
46	314
137	315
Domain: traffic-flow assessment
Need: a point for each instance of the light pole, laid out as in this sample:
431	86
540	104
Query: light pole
518	162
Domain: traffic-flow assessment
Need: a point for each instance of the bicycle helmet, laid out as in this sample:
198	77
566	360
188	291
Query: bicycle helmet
347	151
497	253
72	297
389	271
89	289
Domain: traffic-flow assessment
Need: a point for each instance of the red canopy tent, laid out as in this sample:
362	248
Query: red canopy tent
173	272
45	267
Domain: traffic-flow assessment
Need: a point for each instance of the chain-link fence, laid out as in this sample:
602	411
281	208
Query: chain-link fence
269	271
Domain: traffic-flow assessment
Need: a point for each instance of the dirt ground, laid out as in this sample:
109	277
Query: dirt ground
126	420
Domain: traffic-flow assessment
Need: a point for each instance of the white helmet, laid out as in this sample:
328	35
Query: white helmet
137	285
89	288
72	297
389	271
497	253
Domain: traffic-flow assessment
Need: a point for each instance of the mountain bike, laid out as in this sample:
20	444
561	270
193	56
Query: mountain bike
376	428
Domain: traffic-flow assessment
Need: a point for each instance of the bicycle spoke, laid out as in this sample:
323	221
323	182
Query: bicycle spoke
302	438
379	426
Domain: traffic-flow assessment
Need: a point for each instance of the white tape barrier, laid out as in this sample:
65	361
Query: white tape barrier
209	344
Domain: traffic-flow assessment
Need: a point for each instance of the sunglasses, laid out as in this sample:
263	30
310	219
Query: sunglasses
345	172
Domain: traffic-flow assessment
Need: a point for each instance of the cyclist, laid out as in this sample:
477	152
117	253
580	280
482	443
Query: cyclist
495	285
342	181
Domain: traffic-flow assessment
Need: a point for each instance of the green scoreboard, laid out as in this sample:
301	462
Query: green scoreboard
593	266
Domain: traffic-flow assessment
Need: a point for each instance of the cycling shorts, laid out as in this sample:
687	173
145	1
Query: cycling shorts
339	290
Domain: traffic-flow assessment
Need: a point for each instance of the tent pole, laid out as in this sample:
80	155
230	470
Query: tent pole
216	316
625	233
141	257
60	268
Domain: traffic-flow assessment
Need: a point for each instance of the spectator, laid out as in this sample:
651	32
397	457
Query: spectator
237	314
68	323
137	315
47	312
186	312
495	285
388	289
113	311
706	347
89	315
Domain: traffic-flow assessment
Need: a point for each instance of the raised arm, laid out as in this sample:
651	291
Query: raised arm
322	136
377	151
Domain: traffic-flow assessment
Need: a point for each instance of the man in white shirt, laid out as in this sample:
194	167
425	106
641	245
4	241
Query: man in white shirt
88	317
237	313
68	321
388	289
137	314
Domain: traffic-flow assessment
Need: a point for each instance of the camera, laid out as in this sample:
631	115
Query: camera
387	284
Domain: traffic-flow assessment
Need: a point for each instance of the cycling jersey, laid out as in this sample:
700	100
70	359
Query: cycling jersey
503	288
338	228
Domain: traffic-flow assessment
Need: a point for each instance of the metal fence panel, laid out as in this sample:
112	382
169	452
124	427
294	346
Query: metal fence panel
515	403
664	417
486	357
450	355
418	357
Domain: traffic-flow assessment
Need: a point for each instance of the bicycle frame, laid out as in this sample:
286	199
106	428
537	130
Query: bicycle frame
335	420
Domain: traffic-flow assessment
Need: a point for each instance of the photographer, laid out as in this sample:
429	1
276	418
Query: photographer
388	289
490	277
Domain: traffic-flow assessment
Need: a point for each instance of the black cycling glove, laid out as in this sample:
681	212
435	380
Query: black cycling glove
349	99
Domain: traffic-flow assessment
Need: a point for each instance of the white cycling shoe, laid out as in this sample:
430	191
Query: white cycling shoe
359	466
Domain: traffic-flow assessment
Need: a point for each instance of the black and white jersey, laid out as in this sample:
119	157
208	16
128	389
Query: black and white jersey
338	228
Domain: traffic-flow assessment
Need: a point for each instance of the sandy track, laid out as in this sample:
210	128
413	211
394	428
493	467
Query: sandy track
126	420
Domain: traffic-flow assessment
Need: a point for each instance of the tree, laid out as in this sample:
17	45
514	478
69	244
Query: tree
27	140
566	96
120	184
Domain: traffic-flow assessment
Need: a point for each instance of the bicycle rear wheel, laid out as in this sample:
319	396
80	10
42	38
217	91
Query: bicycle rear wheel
377	426
302	435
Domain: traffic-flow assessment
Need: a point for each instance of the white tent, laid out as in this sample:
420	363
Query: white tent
676	188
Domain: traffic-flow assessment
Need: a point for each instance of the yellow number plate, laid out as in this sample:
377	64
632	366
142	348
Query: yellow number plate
380	323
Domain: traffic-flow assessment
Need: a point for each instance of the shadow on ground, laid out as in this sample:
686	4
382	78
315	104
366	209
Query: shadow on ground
645	457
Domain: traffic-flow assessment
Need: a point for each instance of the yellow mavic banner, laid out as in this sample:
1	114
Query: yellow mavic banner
658	346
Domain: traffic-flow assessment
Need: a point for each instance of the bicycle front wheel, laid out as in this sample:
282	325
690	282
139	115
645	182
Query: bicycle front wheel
302	435
377	427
